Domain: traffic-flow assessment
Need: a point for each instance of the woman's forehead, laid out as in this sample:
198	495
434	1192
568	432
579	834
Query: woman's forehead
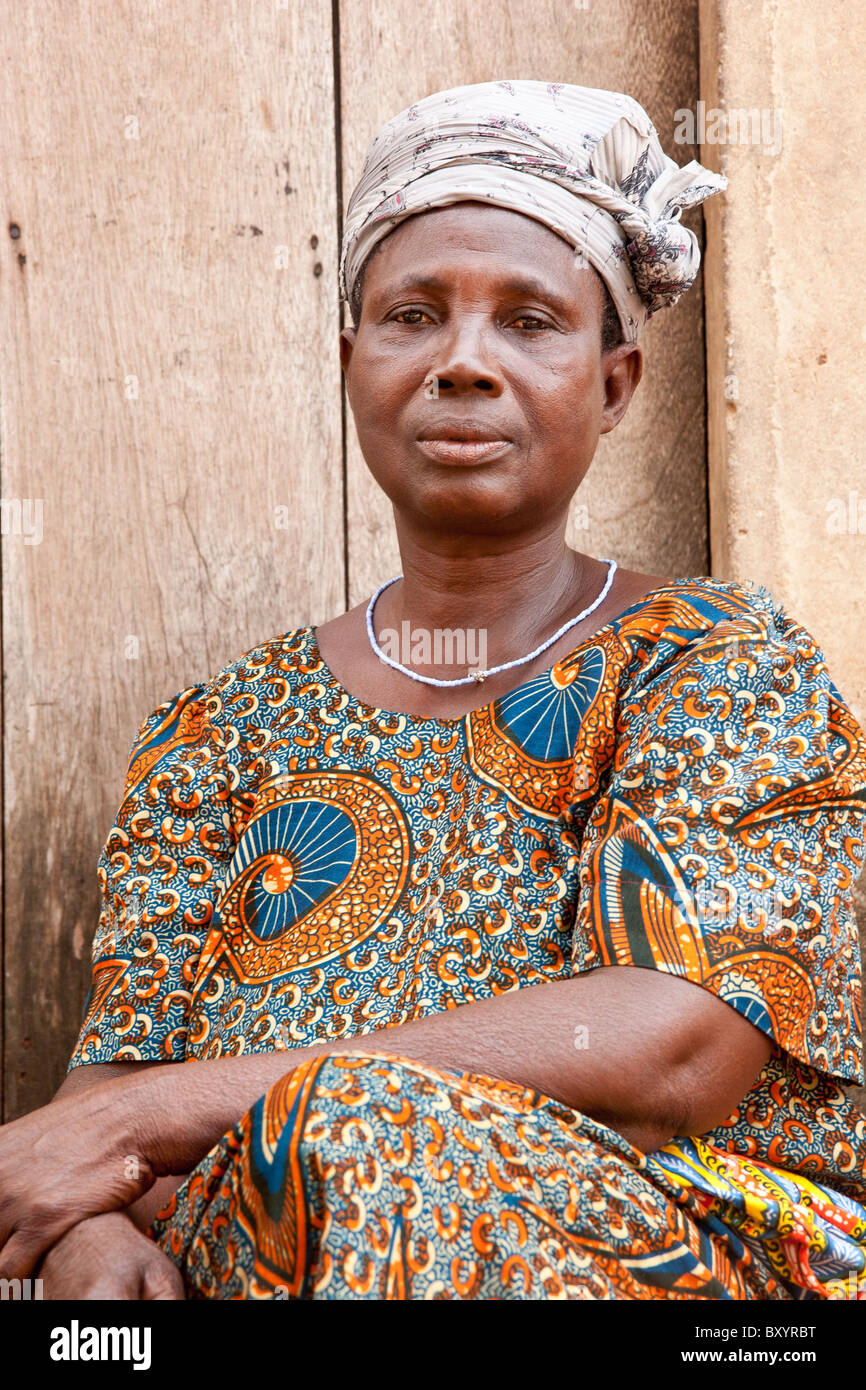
493	239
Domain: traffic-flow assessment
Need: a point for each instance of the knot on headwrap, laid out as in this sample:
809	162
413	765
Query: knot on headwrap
587	163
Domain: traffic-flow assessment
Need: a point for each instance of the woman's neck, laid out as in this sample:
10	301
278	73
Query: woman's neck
517	597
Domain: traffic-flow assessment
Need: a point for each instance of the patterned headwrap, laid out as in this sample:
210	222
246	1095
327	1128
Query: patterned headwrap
585	162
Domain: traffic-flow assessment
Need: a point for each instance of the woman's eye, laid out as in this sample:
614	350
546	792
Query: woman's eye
403	315
533	318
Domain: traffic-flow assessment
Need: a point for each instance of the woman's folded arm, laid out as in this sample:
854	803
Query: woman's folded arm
648	1054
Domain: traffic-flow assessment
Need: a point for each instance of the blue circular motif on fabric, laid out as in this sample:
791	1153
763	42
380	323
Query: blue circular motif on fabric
544	715
292	858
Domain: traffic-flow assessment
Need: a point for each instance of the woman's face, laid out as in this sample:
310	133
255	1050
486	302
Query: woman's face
494	304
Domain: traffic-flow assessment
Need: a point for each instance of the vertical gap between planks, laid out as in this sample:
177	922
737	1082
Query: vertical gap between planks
338	172
714	307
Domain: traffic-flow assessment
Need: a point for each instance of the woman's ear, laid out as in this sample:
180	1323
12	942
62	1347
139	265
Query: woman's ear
347	344
622	369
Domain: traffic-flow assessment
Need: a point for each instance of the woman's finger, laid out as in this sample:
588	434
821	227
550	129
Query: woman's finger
22	1250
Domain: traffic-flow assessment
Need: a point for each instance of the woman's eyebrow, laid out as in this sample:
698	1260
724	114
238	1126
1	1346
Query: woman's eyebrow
514	286
409	282
518	285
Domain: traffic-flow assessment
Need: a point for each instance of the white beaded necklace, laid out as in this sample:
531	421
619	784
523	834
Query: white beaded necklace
478	676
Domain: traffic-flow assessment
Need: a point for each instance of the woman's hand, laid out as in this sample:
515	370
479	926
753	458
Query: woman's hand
67	1161
107	1257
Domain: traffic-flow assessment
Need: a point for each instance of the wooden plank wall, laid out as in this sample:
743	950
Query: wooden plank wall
170	400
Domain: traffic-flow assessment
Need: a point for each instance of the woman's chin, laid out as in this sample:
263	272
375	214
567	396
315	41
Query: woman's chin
466	511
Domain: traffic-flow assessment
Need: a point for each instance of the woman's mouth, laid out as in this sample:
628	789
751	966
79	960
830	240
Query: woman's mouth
463	451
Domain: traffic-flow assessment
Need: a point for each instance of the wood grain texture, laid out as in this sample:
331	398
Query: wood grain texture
646	491
169	370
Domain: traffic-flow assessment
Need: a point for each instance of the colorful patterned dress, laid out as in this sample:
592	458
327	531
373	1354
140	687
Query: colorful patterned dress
683	792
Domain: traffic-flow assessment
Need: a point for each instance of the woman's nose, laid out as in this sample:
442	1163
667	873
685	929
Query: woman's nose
466	359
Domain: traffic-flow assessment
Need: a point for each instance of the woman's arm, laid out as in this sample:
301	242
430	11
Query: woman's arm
649	1054
82	1078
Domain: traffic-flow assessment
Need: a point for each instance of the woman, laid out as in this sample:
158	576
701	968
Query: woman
329	841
